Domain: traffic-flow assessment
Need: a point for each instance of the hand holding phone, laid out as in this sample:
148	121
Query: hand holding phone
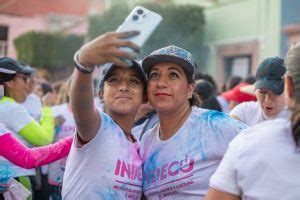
143	20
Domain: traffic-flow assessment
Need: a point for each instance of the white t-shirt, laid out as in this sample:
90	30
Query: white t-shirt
251	113
223	103
261	163
180	167
57	168
15	117
33	104
3	129
139	130
108	167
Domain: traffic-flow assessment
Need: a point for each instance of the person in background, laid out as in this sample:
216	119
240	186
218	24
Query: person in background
269	91
33	102
271	151
17	119
237	95
181	151
211	80
65	129
16	152
56	88
249	79
229	85
207	95
42	88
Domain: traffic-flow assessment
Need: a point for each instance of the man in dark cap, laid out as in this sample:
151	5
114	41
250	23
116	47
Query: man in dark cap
269	91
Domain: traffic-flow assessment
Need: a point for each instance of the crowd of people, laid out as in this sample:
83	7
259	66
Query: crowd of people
155	130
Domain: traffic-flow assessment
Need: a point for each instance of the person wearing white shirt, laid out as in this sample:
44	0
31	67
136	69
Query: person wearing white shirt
269	91
262	162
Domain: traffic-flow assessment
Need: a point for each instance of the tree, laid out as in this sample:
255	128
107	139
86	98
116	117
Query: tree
47	50
182	26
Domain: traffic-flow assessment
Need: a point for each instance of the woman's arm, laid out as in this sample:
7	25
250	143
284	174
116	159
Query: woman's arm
103	49
13	150
214	194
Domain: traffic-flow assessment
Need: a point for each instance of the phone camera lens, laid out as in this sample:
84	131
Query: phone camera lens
135	17
139	11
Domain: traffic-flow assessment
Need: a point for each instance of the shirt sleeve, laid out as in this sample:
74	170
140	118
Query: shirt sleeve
18	118
16	152
239	111
223	129
3	130
225	177
40	134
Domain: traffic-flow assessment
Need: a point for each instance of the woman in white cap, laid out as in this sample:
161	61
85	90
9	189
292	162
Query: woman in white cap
182	151
104	161
263	161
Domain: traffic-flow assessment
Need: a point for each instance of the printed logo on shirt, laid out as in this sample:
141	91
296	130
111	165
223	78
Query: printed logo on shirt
133	175
177	175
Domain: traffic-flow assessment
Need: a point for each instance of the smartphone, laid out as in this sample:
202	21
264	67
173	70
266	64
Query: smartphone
143	20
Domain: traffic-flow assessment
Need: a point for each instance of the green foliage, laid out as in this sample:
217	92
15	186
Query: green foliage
182	25
47	50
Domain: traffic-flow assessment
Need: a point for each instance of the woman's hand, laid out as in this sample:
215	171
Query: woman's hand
106	49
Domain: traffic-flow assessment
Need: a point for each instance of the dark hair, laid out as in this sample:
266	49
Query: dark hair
194	100
101	84
233	81
207	95
210	79
249	79
6	77
198	76
46	87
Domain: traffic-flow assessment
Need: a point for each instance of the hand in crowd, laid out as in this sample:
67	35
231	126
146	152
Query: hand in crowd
59	120
105	49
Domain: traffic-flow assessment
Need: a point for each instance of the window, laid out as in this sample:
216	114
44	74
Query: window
238	66
3	40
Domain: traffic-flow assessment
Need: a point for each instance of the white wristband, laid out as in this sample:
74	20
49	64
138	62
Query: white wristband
80	67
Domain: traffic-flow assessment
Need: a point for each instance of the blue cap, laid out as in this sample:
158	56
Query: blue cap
171	54
107	68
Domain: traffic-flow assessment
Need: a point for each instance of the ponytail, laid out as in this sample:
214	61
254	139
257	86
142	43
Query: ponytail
295	122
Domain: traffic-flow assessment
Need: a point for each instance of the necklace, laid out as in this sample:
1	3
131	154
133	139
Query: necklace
129	136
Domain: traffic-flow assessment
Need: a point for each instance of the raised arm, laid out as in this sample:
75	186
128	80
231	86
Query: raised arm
16	152
104	49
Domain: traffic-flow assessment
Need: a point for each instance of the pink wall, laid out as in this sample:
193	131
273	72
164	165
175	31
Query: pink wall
18	26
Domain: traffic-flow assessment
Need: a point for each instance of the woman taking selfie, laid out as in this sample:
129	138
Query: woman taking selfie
104	161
